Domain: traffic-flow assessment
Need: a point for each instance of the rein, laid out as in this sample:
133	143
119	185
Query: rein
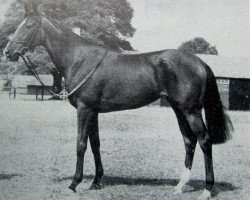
33	71
30	66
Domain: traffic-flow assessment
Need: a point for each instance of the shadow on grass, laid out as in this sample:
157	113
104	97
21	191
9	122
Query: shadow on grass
112	181
8	176
195	185
192	186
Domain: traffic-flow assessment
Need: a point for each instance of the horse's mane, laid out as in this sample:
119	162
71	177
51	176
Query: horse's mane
68	31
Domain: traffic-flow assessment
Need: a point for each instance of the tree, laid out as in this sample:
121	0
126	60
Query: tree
198	46
8	71
103	22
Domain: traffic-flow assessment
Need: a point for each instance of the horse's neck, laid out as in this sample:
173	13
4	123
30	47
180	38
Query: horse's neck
64	48
63	52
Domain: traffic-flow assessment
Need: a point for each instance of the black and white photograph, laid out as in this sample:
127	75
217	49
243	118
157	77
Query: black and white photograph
124	99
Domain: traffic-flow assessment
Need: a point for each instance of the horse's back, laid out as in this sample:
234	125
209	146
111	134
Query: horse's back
126	81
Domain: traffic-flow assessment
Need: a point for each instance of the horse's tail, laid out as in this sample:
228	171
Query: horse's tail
218	122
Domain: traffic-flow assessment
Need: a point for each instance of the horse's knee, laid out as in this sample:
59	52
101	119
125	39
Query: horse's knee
81	149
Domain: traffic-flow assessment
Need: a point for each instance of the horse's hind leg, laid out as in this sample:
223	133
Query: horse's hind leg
199	129
95	146
190	141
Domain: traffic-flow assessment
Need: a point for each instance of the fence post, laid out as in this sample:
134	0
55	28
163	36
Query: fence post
42	92
14	93
10	93
36	94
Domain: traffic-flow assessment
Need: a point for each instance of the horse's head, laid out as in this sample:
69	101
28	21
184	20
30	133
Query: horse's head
28	34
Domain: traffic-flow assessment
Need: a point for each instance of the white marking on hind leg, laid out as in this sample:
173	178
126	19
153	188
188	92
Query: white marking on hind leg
186	173
206	194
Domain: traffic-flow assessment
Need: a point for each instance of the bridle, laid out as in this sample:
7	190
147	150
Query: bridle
27	43
29	39
30	65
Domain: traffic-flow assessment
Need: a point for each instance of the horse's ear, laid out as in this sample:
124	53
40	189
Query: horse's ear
30	8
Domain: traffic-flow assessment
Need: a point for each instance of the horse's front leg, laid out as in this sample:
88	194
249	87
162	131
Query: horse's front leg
83	116
95	146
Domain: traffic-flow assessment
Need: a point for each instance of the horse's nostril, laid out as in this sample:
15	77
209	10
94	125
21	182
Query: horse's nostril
15	57
7	52
24	50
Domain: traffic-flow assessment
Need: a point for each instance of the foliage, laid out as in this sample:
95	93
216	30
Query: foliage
198	46
103	22
8	71
14	17
107	22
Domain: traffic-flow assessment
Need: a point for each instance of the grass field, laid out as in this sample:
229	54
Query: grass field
142	152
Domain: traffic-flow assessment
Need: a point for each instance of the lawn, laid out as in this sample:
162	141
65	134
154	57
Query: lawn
142	153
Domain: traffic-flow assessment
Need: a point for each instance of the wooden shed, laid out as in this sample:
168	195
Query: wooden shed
233	79
29	85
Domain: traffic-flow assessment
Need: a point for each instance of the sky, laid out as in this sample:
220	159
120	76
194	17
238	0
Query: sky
165	24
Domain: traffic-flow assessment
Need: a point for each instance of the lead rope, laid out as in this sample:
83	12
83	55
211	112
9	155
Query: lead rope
33	71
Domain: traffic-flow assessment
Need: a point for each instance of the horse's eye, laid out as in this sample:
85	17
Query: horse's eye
28	25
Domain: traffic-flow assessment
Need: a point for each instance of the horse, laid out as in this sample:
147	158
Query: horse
116	81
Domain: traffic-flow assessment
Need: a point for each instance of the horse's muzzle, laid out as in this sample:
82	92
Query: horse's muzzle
15	56
11	57
7	53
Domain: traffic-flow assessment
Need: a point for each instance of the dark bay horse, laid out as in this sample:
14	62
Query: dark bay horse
125	81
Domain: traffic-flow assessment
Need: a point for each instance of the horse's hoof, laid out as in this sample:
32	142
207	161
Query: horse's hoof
177	190
72	187
205	195
95	186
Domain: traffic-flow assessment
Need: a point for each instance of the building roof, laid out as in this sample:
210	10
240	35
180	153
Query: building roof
23	80
228	67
